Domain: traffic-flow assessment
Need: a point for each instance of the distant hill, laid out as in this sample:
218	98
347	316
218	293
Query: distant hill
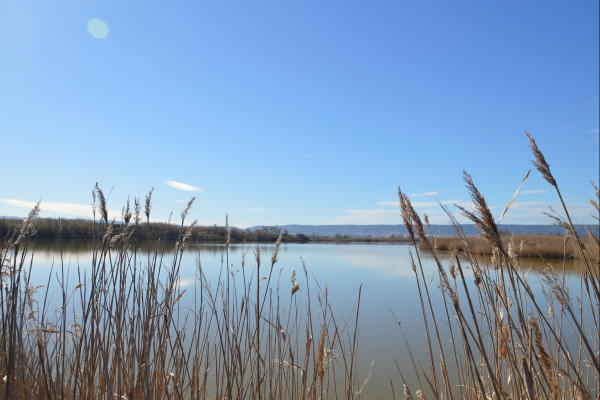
359	231
438	230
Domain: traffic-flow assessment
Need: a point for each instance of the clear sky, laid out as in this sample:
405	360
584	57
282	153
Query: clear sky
305	112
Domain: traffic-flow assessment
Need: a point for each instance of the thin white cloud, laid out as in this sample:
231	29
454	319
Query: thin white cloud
181	201
183	186
305	155
424	194
83	210
422	204
535	191
524	212
256	209
595	130
184	283
367	217
532	212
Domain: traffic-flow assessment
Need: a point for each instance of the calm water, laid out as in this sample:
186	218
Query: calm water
384	271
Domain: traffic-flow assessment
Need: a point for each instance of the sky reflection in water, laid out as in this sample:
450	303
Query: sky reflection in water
383	271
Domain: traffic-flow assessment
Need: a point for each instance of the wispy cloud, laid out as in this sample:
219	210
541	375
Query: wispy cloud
256	209
595	130
424	194
184	283
422	204
532	212
523	212
535	191
367	217
183	186
83	210
305	155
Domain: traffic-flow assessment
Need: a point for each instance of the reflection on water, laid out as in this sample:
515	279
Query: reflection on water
384	272
374	257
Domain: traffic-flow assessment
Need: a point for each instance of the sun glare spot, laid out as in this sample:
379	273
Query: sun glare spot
97	28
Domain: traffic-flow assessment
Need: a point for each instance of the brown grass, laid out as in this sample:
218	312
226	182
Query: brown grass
509	339
535	246
124	332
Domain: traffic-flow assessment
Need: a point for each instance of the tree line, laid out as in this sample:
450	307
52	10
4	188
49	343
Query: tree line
50	228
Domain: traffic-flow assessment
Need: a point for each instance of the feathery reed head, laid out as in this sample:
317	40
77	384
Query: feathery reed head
102	199
410	217
321	353
276	251
127	213
406	217
149	204
540	162
407	394
137	211
185	211
482	217
28	227
558	220
295	288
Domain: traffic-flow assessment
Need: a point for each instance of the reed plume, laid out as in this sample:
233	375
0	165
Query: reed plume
148	207
482	217
185	211
540	162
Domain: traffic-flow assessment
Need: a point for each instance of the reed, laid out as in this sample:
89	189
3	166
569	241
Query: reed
510	339
121	329
126	328
525	246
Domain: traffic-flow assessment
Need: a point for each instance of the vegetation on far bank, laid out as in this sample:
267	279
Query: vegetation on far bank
51	228
544	246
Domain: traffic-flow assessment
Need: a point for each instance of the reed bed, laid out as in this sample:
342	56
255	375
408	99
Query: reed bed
120	329
532	246
508	338
124	328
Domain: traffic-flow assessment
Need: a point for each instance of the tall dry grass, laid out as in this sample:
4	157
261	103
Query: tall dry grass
121	330
530	246
508	338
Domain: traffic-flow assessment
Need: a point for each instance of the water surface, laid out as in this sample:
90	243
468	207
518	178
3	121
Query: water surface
389	299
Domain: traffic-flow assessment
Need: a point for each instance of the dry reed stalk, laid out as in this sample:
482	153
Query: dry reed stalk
407	393
502	355
148	207
123	332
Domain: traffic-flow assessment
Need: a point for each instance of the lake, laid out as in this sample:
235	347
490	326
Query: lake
382	272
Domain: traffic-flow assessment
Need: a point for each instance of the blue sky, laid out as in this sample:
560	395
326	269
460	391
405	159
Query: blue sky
304	112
